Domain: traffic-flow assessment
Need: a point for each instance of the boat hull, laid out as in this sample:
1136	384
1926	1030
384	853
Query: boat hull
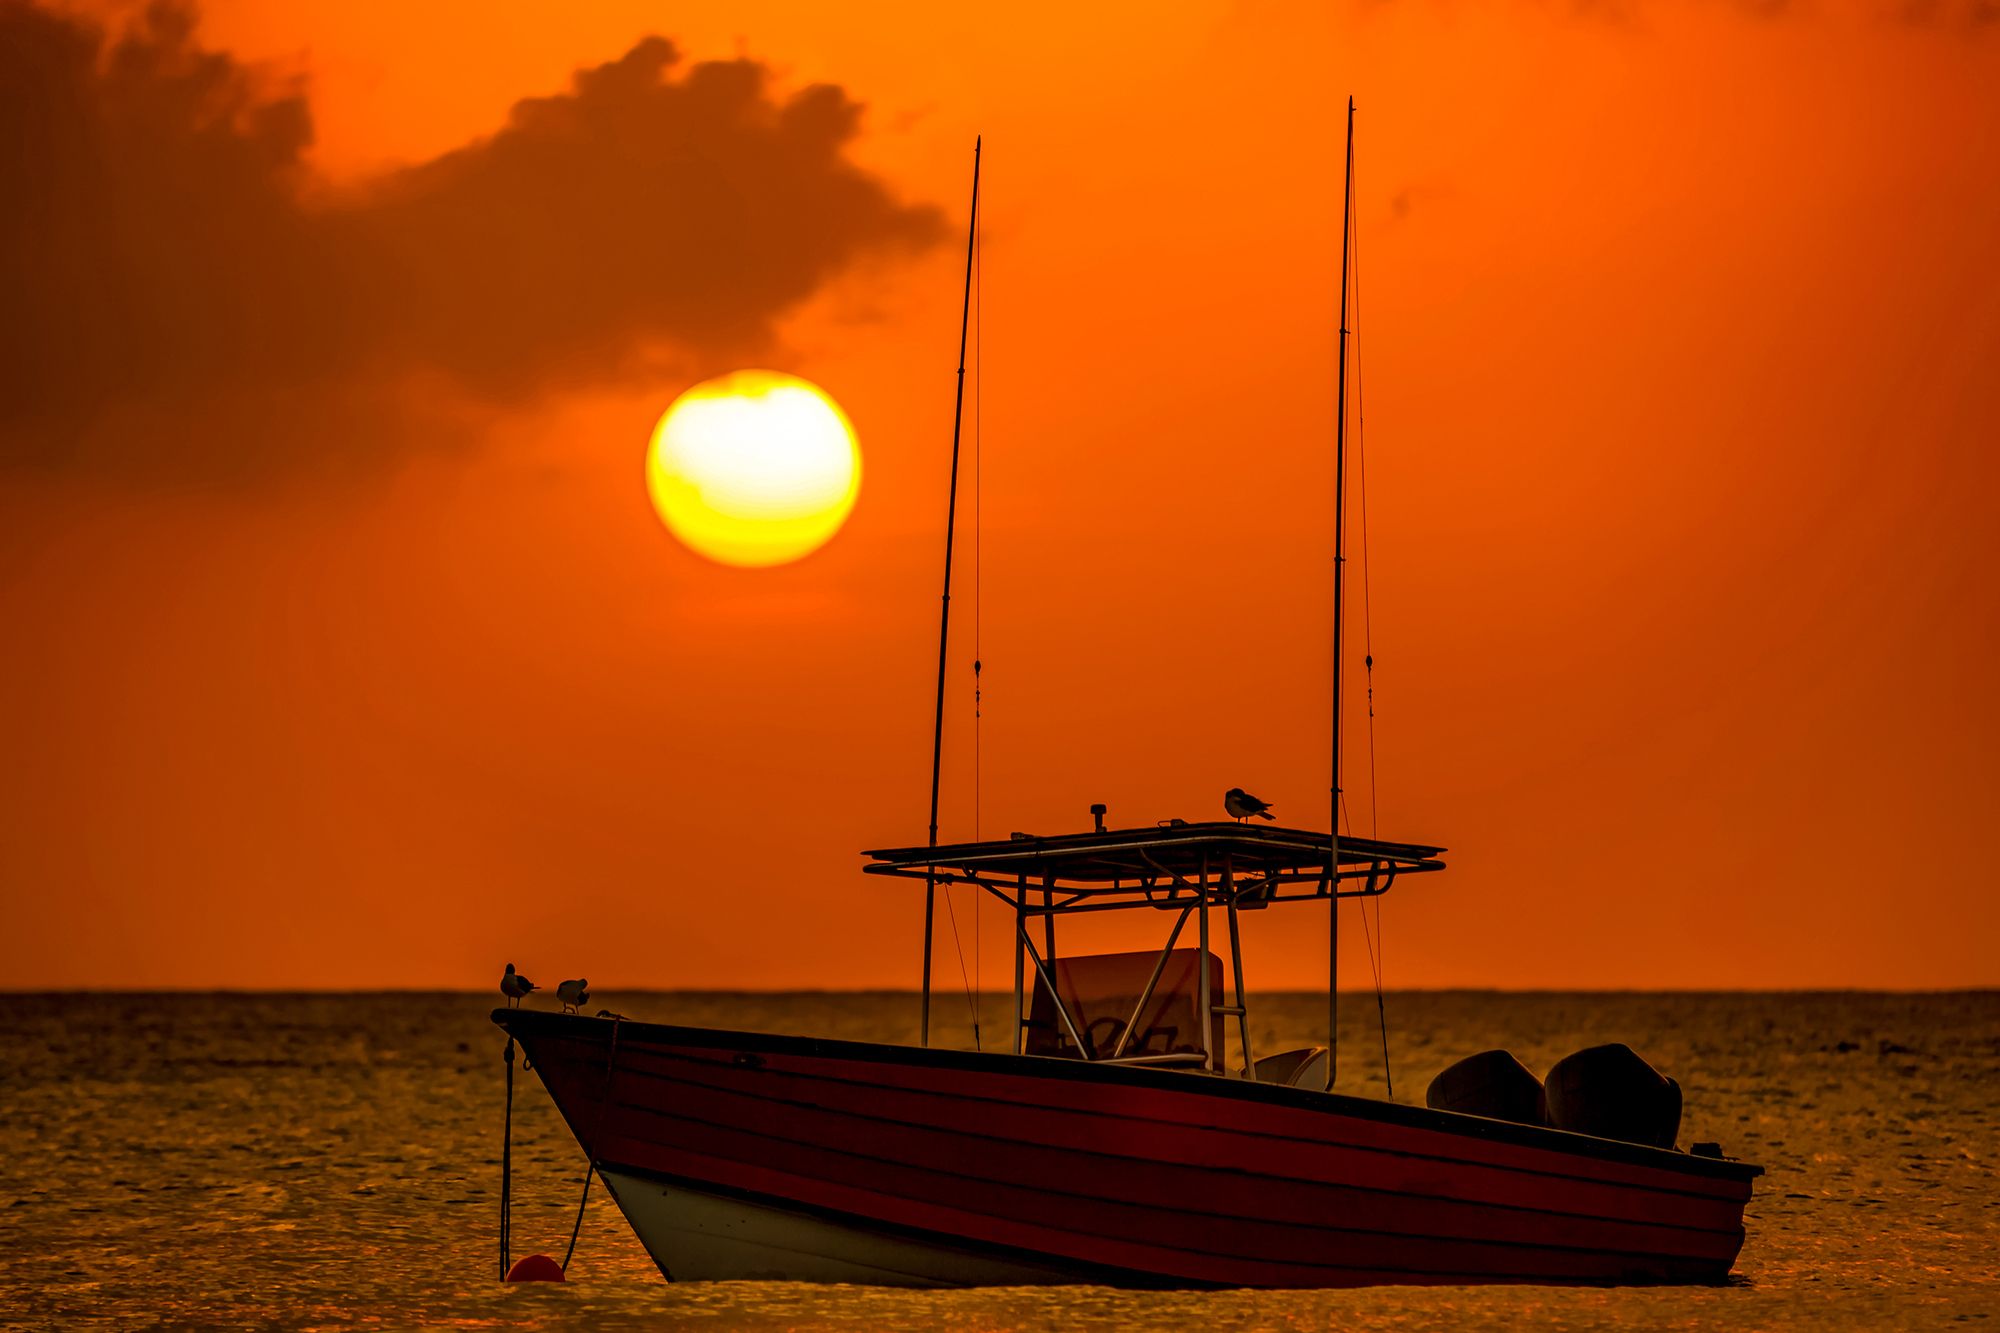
697	1234
746	1155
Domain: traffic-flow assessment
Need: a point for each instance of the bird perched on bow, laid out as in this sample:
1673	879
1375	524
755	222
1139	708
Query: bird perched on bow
574	994
515	986
1241	805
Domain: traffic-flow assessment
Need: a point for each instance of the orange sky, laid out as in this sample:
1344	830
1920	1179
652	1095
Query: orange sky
1679	325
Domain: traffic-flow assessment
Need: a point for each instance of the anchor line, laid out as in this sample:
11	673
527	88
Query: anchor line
596	1136
507	1161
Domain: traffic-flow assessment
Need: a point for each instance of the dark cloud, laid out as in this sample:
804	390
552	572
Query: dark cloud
174	278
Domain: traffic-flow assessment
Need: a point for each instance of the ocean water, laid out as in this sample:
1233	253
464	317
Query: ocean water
332	1161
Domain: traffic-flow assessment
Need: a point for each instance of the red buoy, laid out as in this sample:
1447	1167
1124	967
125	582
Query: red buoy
536	1268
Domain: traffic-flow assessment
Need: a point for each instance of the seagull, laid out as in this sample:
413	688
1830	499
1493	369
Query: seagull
574	994
1241	805
515	986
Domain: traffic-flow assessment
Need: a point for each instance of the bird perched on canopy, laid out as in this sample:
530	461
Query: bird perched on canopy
574	994
515	986
1241	805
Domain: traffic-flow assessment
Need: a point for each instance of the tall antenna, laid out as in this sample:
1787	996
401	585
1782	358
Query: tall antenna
944	615
1339	577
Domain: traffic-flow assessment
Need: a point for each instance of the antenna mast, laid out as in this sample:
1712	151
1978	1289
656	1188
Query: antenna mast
944	615
1339	578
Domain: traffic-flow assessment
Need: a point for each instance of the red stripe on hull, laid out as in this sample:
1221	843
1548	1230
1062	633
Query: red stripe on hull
1274	1122
1164	1183
1156	1175
1219	1146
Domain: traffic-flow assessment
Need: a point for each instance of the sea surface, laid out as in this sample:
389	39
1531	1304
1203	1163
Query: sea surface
332	1161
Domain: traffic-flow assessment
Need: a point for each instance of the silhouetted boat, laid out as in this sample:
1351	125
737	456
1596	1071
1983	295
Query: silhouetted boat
1112	1143
1119	1153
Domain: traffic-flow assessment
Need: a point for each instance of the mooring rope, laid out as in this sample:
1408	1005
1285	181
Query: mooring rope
596	1137
507	1154
507	1161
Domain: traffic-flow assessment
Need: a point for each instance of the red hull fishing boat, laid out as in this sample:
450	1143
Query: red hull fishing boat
1114	1148
1118	1141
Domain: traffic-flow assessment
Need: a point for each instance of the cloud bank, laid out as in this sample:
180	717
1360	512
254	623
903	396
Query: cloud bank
177	283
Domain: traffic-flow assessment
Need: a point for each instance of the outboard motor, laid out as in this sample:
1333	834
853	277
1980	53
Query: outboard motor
1493	1084
1609	1091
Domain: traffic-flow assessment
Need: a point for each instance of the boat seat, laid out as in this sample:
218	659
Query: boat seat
1302	1068
1100	992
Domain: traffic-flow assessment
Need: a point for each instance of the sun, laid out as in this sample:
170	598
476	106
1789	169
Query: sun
754	468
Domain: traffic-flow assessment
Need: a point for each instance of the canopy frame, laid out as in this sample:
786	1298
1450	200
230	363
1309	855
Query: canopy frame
1176	867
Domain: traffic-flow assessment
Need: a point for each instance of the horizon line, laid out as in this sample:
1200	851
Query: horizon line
57	991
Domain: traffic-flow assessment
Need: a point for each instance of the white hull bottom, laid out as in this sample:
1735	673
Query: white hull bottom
700	1237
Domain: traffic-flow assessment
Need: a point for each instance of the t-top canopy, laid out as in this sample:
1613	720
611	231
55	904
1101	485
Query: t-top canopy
1140	858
